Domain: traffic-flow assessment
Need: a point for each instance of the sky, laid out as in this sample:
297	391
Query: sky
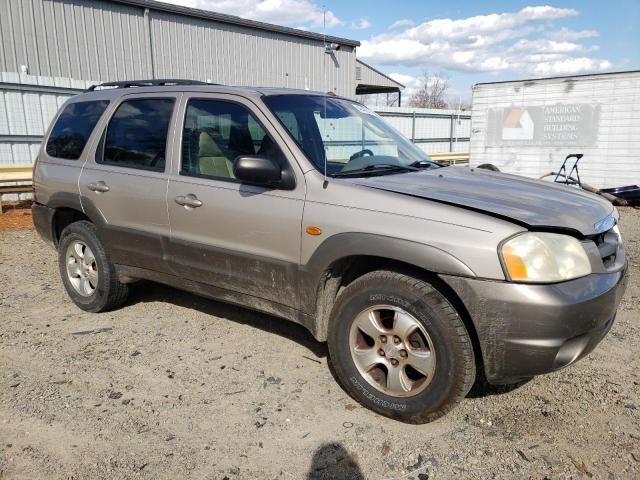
468	41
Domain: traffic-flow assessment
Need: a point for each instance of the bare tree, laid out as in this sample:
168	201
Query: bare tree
432	92
458	103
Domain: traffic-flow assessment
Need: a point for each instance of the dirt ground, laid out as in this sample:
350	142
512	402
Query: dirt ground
174	386
15	218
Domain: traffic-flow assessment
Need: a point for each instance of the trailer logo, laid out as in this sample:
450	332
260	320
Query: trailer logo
564	125
518	125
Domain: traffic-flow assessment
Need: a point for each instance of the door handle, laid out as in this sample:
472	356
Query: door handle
188	201
99	187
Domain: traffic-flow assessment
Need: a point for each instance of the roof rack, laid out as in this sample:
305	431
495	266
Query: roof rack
146	83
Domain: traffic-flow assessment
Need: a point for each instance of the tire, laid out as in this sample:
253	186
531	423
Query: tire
88	276
439	334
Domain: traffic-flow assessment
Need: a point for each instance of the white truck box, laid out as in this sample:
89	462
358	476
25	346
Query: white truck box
527	127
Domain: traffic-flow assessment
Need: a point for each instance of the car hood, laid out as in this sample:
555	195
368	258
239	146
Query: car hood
532	203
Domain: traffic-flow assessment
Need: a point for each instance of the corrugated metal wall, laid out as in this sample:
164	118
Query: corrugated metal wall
231	54
80	39
610	144
432	130
25	114
102	40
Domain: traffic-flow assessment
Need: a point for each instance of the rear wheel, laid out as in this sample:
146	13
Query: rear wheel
400	348
87	274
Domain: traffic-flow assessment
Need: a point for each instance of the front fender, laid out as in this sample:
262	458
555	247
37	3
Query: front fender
421	255
344	245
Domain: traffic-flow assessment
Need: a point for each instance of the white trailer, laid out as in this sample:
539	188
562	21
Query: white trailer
528	127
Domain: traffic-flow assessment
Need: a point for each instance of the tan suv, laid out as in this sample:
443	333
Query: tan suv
310	207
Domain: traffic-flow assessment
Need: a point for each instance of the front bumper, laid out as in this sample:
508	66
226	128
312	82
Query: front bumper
527	330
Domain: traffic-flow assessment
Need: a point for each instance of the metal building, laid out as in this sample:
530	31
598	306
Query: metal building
371	81
102	40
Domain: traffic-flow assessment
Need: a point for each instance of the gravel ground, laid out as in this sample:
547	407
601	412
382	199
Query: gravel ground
175	386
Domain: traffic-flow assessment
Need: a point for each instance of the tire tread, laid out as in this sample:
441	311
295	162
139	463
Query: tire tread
430	294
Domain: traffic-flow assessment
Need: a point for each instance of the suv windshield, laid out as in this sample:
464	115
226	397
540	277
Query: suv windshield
355	140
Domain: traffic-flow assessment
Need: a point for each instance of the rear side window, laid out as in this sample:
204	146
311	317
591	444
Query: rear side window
73	128
137	134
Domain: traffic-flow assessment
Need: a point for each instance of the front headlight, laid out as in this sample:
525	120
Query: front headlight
544	257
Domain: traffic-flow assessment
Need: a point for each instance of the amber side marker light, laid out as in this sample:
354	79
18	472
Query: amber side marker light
313	230
515	266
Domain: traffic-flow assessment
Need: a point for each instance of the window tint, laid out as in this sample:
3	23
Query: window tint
215	133
73	128
290	122
137	134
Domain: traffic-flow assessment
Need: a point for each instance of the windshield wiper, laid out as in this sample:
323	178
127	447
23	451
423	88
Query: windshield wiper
426	164
375	167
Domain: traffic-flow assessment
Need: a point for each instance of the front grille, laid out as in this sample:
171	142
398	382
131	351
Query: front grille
607	244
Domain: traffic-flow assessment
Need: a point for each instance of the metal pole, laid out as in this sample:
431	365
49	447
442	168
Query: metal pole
413	127
451	126
147	26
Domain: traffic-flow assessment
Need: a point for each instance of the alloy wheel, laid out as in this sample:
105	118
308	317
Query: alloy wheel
82	269
392	351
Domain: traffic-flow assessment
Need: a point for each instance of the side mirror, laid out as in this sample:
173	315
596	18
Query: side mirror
258	170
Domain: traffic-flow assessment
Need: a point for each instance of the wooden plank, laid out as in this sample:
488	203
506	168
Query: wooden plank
5	189
14	177
450	158
16	168
16	173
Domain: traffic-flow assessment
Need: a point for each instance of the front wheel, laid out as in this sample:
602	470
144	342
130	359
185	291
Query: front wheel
400	348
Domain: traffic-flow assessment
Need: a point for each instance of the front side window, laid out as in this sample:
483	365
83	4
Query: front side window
73	128
137	134
351	138
215	133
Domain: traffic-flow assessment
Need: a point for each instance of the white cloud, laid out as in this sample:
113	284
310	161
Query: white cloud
514	41
542	45
404	79
472	28
361	24
404	22
281	12
564	34
570	65
402	51
411	83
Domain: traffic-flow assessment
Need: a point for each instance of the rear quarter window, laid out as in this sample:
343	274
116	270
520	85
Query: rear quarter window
73	128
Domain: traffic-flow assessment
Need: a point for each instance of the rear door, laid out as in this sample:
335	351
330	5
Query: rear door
239	237
125	183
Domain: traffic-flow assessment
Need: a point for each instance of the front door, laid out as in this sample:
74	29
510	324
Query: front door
125	184
237	237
